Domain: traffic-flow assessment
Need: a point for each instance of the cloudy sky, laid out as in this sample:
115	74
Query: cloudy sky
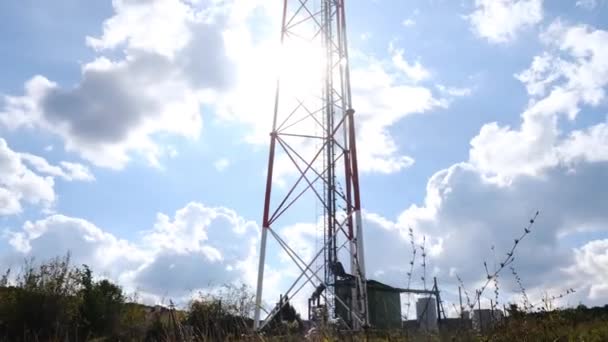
134	134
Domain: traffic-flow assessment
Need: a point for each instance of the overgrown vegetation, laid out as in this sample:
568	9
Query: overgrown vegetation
56	301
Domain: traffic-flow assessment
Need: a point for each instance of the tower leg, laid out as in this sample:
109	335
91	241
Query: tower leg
363	304
258	295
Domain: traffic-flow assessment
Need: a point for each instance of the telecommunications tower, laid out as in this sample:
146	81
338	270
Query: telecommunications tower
313	155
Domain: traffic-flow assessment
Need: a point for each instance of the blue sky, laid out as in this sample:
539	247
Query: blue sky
496	109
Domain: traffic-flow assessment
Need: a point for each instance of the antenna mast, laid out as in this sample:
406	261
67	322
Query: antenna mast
313	131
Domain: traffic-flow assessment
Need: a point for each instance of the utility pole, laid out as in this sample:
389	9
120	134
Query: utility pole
313	132
479	311
460	299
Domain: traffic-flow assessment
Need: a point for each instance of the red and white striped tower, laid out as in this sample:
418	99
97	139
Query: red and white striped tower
313	132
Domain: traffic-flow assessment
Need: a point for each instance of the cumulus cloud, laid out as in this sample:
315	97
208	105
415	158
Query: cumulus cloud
20	184
592	265
573	73
172	52
384	92
26	178
414	71
196	249
58	234
158	26
464	216
221	164
66	170
486	201
382	98
500	21
159	62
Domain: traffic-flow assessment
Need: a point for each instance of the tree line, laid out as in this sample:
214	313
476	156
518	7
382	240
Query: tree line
58	301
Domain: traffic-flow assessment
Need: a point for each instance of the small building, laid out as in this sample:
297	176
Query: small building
426	313
384	303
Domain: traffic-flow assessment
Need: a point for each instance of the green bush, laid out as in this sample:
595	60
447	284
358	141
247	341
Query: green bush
221	316
43	304
101	305
57	301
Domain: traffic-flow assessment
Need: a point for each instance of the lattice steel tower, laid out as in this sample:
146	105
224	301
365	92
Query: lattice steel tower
313	137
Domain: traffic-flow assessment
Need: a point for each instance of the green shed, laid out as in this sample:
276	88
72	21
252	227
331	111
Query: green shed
384	303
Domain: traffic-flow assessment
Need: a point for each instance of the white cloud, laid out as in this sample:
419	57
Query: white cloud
454	91
383	94
30	179
572	74
66	170
172	53
408	22
463	216
206	246
58	234
189	230
500	21
159	26
544	70
221	164
159	63
486	201
381	99
159	82
414	71
587	4
590	145
411	20
20	184
198	248
592	265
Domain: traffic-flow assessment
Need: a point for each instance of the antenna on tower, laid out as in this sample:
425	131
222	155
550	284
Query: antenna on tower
308	110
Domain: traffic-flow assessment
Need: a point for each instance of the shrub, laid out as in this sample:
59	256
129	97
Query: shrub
101	306
43	304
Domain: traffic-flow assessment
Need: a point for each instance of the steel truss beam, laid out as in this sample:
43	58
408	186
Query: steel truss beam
315	134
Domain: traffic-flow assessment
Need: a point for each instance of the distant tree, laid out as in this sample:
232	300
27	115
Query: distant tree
286	321
43	303
133	325
101	306
225	312
237	300
5	278
514	311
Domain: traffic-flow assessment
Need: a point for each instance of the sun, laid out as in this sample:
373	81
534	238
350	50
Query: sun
302	67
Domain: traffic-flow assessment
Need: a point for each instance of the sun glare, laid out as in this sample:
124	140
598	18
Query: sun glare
301	68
